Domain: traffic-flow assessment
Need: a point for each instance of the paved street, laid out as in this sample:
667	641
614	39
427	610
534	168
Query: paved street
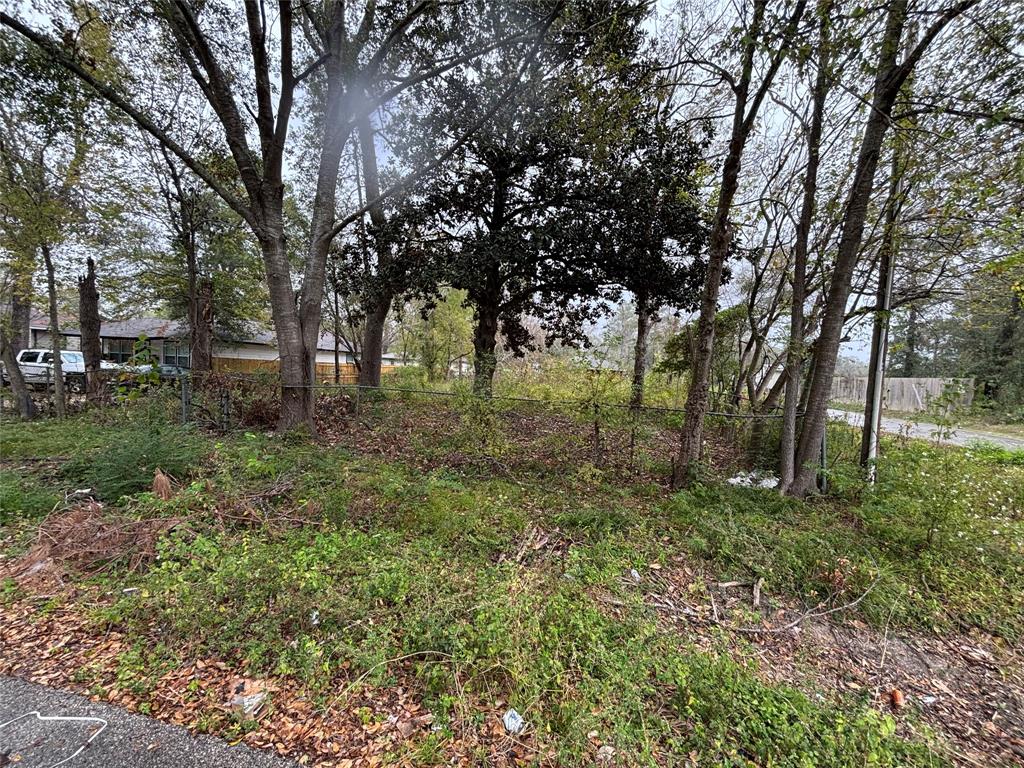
118	739
926	431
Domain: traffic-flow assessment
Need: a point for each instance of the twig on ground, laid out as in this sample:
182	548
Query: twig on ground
811	613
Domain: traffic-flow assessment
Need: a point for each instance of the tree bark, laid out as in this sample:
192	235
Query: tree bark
21	320
296	364
89	328
889	78
373	343
485	341
19	389
795	350
59	402
880	323
377	300
201	330
643	331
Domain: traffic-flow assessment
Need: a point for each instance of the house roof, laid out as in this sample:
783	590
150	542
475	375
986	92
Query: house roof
162	328
129	328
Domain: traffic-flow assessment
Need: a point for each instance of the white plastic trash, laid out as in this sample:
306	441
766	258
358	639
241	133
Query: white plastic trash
513	722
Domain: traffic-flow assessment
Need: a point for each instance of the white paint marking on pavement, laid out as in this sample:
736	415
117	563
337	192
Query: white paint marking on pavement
56	718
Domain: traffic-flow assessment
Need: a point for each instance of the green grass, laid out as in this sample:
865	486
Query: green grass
399	561
24	498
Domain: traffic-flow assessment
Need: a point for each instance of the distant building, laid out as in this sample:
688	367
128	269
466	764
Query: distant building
167	341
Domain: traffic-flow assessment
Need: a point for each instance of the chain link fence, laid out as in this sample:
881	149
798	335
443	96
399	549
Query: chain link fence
598	433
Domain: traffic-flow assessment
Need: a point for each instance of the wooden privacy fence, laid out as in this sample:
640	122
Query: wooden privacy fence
901	394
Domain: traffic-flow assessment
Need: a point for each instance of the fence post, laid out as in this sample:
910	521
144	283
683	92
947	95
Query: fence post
186	399
225	409
358	391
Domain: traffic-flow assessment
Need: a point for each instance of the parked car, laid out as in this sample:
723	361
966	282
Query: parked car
172	372
37	367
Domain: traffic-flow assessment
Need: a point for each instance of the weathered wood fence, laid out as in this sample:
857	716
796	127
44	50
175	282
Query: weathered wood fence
901	394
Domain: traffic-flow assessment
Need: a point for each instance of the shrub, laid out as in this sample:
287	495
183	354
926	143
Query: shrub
127	465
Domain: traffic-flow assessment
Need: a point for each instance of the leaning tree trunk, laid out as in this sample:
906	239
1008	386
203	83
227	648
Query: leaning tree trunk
58	367
687	460
89	328
643	332
373	342
685	468
19	389
795	349
889	78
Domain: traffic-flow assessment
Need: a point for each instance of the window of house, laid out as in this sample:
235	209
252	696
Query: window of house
118	350
177	353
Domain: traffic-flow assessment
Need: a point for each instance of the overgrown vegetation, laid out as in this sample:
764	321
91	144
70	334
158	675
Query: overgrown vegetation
325	565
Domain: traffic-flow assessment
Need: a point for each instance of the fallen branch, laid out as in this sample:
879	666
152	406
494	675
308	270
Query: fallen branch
811	613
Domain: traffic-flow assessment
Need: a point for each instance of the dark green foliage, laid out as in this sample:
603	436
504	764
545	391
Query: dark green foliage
126	465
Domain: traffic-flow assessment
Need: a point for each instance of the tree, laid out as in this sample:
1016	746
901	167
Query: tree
516	202
44	146
208	273
795	347
891	72
89	327
341	46
651	233
749	89
443	337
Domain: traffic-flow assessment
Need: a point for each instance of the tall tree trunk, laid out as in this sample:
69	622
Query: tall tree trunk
485	341
21	320
889	78
55	339
795	349
686	465
373	342
376	302
201	330
302	336
296	364
643	330
89	328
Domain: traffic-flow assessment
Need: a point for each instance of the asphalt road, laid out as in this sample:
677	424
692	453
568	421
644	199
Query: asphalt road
926	431
119	739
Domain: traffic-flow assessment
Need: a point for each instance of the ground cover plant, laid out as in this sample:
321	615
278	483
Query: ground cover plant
505	567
